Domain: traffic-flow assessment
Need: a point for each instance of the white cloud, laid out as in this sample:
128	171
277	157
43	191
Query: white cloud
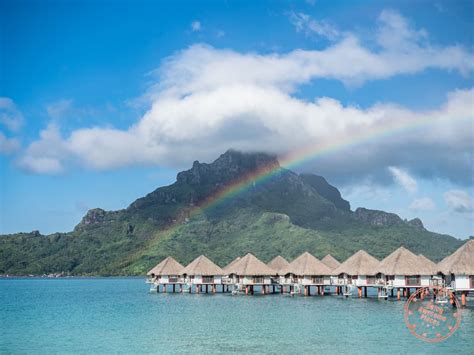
196	26
306	24
59	109
46	155
403	179
207	100
10	116
459	201
8	145
422	204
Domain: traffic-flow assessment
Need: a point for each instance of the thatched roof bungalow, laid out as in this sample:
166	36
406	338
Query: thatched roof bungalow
203	271
166	272
307	270
359	269
250	271
402	268
458	268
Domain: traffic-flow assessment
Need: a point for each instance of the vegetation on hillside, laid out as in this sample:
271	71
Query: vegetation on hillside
285	215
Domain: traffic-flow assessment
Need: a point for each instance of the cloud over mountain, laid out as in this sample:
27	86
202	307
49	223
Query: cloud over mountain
206	100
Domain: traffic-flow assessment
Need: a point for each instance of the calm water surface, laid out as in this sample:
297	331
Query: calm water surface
120	316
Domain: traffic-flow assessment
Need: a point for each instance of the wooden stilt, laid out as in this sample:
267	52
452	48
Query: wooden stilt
246	290
359	291
463	298
251	289
282	289
158	288
398	294
164	288
365	291
322	290
309	290
174	288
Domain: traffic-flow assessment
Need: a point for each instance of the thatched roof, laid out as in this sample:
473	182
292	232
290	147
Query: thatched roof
229	265
306	265
202	266
461	262
330	262
278	263
429	262
404	262
169	266
249	265
361	263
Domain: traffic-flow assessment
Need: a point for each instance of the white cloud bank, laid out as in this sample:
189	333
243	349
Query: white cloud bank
207	100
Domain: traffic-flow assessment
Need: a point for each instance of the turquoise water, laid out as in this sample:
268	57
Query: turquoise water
108	315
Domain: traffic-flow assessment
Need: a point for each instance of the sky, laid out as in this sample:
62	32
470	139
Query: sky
102	102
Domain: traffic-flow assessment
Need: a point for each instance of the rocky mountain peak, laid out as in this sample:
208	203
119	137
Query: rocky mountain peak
94	216
227	167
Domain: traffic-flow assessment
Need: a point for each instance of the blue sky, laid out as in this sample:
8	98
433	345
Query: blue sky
102	102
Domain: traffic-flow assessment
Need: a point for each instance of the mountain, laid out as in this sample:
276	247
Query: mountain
283	213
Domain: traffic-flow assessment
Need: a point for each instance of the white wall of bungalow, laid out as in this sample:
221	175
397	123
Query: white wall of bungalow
307	280
202	280
357	280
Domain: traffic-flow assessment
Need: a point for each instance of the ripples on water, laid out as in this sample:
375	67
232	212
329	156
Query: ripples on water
120	315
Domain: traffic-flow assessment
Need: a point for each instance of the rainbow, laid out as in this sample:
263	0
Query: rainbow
311	152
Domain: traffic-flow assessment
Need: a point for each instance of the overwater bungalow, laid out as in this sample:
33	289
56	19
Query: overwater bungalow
359	271
404	270
458	270
249	272
306	271
167	272
202	273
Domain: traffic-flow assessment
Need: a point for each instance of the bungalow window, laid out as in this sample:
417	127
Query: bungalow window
370	280
318	280
412	280
208	279
258	279
172	278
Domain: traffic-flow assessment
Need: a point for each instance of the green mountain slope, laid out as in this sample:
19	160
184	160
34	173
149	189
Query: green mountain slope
286	214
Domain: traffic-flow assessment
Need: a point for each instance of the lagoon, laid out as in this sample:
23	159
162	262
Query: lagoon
111	315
